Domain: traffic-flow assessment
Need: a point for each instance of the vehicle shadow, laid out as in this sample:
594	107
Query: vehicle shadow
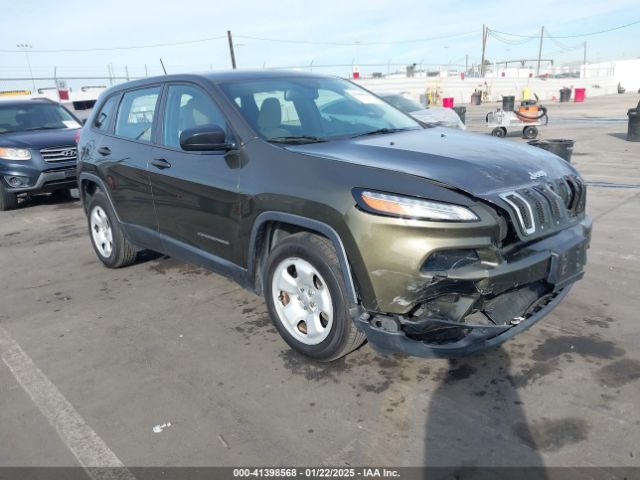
476	419
31	201
144	256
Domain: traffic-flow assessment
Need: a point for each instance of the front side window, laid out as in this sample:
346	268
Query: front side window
188	107
103	118
35	116
310	109
135	115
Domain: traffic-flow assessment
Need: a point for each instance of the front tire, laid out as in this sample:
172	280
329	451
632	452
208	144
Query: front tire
307	298
8	200
107	237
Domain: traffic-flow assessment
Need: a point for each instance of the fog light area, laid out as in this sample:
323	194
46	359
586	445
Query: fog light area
16	181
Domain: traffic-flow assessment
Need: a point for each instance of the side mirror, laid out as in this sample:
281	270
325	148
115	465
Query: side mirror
84	120
204	138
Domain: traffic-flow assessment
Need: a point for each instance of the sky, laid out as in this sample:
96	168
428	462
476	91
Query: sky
368	30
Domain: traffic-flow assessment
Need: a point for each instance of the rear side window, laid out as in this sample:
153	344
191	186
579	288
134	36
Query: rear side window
135	115
104	117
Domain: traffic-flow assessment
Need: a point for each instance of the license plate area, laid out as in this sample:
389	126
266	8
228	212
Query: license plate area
567	264
69	174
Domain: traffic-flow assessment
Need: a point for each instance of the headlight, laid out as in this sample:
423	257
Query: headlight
15	154
410	207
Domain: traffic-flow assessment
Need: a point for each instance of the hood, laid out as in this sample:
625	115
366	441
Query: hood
37	139
478	164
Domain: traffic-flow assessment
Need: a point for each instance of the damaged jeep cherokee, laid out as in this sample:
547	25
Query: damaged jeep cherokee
351	218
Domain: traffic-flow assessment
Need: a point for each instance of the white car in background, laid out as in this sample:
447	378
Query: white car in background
444	117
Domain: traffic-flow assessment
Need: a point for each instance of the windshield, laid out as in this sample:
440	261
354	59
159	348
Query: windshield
403	103
306	110
34	116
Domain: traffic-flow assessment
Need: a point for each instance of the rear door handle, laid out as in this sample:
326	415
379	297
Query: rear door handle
104	151
160	163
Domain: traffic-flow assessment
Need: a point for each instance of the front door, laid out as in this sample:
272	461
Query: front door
195	193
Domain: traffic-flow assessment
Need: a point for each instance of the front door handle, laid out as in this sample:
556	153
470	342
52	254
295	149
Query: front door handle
104	151
160	163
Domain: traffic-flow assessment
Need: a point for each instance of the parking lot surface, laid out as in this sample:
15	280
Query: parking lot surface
163	343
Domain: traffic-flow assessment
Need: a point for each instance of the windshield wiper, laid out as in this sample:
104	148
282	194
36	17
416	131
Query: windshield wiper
380	131
297	139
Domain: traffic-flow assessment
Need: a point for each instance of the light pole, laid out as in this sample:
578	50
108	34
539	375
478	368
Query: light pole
26	47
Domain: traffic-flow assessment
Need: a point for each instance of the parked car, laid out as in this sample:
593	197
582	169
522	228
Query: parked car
444	117
423	240
37	149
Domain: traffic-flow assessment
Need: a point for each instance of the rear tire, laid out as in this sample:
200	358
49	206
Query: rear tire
530	132
308	300
107	237
499	132
8	200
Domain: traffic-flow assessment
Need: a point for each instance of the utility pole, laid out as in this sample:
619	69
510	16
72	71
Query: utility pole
540	52
584	56
485	31
231	52
466	63
146	71
126	70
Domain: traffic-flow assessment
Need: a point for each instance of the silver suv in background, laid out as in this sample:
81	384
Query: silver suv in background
440	116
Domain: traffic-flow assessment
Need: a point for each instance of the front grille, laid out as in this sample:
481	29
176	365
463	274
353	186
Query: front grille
523	211
543	207
59	154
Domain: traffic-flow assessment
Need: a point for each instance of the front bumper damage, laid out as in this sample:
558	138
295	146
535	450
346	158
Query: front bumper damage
466	311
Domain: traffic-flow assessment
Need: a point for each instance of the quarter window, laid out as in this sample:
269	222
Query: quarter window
188	107
103	118
135	115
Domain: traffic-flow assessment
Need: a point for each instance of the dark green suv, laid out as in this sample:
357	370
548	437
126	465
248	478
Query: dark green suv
356	223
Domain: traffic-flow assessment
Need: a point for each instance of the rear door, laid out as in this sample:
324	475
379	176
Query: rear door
195	193
124	155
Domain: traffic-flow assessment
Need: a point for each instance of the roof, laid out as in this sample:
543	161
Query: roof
218	77
24	101
224	76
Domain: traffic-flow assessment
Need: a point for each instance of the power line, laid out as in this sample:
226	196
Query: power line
248	37
563	47
502	39
107	49
572	36
355	42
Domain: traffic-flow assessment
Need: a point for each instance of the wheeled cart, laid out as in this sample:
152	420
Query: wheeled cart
501	122
528	117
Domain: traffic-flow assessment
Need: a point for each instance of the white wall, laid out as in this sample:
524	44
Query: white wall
461	90
627	72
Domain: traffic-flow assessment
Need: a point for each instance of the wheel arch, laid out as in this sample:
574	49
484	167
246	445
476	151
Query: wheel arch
259	245
88	183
